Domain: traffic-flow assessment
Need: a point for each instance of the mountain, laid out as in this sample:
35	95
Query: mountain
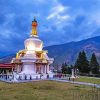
7	58
68	52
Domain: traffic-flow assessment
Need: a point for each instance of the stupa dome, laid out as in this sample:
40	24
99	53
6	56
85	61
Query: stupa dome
33	44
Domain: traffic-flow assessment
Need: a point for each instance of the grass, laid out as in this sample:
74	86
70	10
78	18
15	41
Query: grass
46	90
88	80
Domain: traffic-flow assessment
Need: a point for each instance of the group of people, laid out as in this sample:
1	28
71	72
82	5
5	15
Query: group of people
6	77
25	78
60	75
30	77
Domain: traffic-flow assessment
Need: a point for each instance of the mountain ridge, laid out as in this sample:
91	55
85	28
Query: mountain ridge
70	50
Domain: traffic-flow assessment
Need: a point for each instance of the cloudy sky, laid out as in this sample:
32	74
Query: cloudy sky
60	21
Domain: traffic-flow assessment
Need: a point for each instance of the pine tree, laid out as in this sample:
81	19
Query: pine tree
85	63
69	69
94	65
64	68
71	66
65	64
78	61
82	63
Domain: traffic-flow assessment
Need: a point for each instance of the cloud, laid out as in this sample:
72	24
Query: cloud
58	14
60	21
56	11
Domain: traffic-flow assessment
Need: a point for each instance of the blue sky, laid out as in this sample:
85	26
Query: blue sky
60	21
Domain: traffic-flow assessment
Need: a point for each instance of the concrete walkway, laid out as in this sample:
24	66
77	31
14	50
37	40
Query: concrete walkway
75	82
58	80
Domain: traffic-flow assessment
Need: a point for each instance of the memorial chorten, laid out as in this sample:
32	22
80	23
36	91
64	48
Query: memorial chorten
32	62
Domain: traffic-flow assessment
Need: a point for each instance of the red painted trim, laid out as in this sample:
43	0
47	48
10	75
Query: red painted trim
7	65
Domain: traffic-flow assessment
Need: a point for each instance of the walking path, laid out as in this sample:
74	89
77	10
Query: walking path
53	79
80	83
90	77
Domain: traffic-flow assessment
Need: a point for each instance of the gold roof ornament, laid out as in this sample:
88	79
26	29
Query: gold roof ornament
34	28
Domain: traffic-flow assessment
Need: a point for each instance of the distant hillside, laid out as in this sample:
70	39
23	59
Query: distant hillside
6	59
68	52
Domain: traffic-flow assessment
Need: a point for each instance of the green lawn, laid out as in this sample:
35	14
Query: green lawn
46	90
88	80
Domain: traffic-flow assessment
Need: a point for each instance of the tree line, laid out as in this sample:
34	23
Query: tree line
83	65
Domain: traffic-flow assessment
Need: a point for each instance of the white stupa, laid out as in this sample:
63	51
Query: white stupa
32	62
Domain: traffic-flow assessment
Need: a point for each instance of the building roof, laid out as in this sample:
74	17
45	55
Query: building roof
7	65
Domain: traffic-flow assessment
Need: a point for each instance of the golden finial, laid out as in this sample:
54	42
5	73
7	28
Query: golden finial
34	28
17	56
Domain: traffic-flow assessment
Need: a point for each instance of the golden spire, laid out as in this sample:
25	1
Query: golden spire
17	56
34	28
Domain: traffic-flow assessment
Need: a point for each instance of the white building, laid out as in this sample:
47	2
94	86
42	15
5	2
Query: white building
32	62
